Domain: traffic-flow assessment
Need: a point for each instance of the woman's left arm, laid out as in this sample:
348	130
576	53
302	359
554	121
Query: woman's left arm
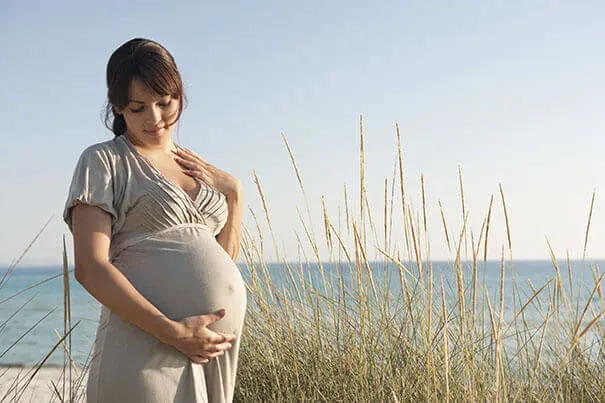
231	234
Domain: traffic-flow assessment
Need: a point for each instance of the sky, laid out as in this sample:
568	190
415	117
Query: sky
510	93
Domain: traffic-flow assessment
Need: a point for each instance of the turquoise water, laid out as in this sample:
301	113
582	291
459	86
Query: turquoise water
44	303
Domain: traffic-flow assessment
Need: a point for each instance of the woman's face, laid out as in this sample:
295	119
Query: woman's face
147	114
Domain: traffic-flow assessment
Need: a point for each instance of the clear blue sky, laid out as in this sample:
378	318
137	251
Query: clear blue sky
511	91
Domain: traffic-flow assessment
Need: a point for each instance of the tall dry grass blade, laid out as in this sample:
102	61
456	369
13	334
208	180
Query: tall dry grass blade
501	309
512	269
15	313
447	237
529	301
569	276
560	292
416	246
300	183
263	269
481	232
25	334
491	314
348	221
391	207
588	226
500	324
364	261
545	326
30	287
409	306
396	261
475	269
460	280
446	363
463	207
66	311
595	275
56	390
267	217
293	282
594	290
401	173
371	220
508	236
261	248
326	223
39	366
423	202
594	321
579	336
431	351
67	351
362	182
342	245
315	249
386	213
13	265
402	191
489	215
386	245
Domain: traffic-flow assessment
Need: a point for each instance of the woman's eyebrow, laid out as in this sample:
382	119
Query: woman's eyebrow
141	102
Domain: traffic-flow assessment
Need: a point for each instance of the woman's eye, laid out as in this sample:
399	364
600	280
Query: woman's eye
165	104
136	110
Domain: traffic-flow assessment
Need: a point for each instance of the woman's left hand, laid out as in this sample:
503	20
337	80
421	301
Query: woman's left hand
194	165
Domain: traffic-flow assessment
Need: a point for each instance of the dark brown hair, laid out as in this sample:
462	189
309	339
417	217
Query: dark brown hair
144	60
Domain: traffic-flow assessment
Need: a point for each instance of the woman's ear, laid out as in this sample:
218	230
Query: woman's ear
116	111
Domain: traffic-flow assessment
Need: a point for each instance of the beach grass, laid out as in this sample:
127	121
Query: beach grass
353	333
347	337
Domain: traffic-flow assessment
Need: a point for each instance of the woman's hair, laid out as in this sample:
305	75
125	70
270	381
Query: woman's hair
144	60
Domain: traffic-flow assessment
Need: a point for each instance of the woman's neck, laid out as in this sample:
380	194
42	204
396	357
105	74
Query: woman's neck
161	145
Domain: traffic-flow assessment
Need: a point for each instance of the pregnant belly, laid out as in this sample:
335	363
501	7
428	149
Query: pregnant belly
185	272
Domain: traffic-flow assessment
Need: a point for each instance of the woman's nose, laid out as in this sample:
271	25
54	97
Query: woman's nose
155	115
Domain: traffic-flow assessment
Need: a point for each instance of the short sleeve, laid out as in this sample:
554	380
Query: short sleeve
92	183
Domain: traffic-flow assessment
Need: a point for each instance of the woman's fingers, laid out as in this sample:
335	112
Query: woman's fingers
221	338
224	346
204	356
185	162
217	338
209	356
194	172
190	154
199	360
230	338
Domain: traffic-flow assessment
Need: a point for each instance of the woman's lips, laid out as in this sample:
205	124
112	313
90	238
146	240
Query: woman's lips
155	131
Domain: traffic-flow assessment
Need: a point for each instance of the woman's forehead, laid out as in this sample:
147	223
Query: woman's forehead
141	93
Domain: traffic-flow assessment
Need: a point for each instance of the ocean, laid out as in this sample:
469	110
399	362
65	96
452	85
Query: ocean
41	307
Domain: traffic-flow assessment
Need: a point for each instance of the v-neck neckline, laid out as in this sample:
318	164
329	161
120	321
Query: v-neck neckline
160	175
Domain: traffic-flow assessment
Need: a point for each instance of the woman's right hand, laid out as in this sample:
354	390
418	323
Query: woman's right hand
196	341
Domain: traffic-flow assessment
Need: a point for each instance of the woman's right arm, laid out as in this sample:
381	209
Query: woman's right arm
92	234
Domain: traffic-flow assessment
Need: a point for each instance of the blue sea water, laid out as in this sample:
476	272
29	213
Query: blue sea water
30	317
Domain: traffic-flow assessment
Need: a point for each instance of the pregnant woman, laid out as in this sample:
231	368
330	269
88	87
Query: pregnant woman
156	231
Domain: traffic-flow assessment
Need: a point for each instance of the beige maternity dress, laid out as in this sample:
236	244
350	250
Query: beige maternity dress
164	242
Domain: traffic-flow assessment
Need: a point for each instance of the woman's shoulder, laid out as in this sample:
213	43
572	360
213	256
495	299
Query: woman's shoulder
108	152
108	148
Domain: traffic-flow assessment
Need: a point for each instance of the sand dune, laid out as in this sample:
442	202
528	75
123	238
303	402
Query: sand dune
14	378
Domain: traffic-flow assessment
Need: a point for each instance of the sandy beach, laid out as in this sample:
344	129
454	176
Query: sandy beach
14	378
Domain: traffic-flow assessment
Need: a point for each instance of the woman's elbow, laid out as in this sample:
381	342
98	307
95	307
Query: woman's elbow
79	273
82	271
